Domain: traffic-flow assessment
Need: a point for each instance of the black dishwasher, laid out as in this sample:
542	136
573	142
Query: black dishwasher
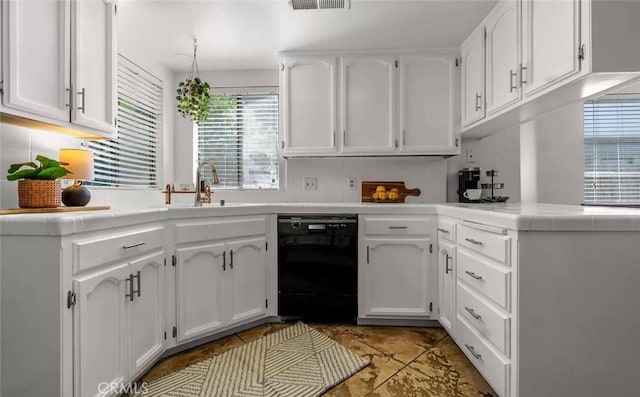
318	268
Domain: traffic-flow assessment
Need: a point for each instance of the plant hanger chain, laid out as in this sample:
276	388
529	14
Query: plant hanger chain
195	71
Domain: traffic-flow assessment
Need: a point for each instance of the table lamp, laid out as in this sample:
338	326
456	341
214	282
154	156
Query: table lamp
81	168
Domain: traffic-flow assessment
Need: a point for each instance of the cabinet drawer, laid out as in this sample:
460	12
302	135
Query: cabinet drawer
399	225
490	364
495	246
447	229
491	281
490	323
107	248
192	232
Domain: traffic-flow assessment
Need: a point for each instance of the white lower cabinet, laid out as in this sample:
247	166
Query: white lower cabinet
118	324
100	327
447	285
395	272
221	282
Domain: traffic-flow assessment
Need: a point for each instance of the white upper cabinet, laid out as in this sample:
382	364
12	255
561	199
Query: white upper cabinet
59	63
94	64
308	86
36	70
427	104
394	103
472	79
503	56
551	33
368	106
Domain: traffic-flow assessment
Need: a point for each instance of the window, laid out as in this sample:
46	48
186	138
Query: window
612	151
131	160
240	137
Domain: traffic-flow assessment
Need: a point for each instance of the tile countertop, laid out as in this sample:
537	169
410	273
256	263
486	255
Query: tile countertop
532	217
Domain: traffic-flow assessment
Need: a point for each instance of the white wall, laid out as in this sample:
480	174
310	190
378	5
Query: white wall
552	157
500	151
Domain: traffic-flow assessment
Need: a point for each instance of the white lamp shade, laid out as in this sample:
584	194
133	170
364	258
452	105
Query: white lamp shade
80	163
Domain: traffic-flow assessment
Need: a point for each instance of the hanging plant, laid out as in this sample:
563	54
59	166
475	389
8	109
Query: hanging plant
193	93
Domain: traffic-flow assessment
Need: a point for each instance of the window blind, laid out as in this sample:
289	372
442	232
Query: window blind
612	151
240	137
131	159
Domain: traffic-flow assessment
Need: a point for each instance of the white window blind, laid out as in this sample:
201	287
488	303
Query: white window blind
240	137
131	160
612	151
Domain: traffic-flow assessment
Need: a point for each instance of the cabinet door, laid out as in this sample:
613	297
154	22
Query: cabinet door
397	277
36	57
100	330
368	113
447	285
146	314
94	65
427	103
503	49
198	290
247	275
472	79
309	105
551	33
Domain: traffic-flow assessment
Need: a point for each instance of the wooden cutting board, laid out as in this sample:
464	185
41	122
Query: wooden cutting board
12	211
369	187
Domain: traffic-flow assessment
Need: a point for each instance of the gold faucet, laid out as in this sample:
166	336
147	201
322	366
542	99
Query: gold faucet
207	199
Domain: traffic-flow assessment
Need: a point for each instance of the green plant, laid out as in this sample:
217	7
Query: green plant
193	99
47	170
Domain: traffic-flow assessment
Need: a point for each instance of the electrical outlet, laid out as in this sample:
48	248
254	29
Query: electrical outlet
470	158
352	183
310	183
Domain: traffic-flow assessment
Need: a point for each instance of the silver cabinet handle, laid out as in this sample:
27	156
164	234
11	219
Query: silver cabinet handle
512	74
473	313
282	144
81	93
334	138
130	281
522	80
472	241
404	137
445	231
231	259
396	143
367	254
137	276
224	261
344	137
397	227
478	356
129	246
478	107
472	274
447	269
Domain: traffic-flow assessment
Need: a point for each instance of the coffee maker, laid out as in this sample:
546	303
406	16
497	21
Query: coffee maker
468	178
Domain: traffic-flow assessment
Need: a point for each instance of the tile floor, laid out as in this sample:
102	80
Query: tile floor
405	361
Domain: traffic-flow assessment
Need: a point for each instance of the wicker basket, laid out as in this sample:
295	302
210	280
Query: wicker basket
34	193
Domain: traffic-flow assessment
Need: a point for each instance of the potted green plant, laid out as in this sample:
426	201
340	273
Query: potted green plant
193	99
38	184
193	93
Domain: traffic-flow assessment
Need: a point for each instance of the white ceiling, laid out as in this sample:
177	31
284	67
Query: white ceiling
248	34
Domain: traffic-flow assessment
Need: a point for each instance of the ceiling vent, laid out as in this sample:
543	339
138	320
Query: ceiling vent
319	4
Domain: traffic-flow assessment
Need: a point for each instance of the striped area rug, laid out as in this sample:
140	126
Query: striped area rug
297	361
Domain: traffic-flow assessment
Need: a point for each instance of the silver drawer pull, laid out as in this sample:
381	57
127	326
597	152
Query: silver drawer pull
397	227
473	313
139	243
472	274
443	230
473	351
472	241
